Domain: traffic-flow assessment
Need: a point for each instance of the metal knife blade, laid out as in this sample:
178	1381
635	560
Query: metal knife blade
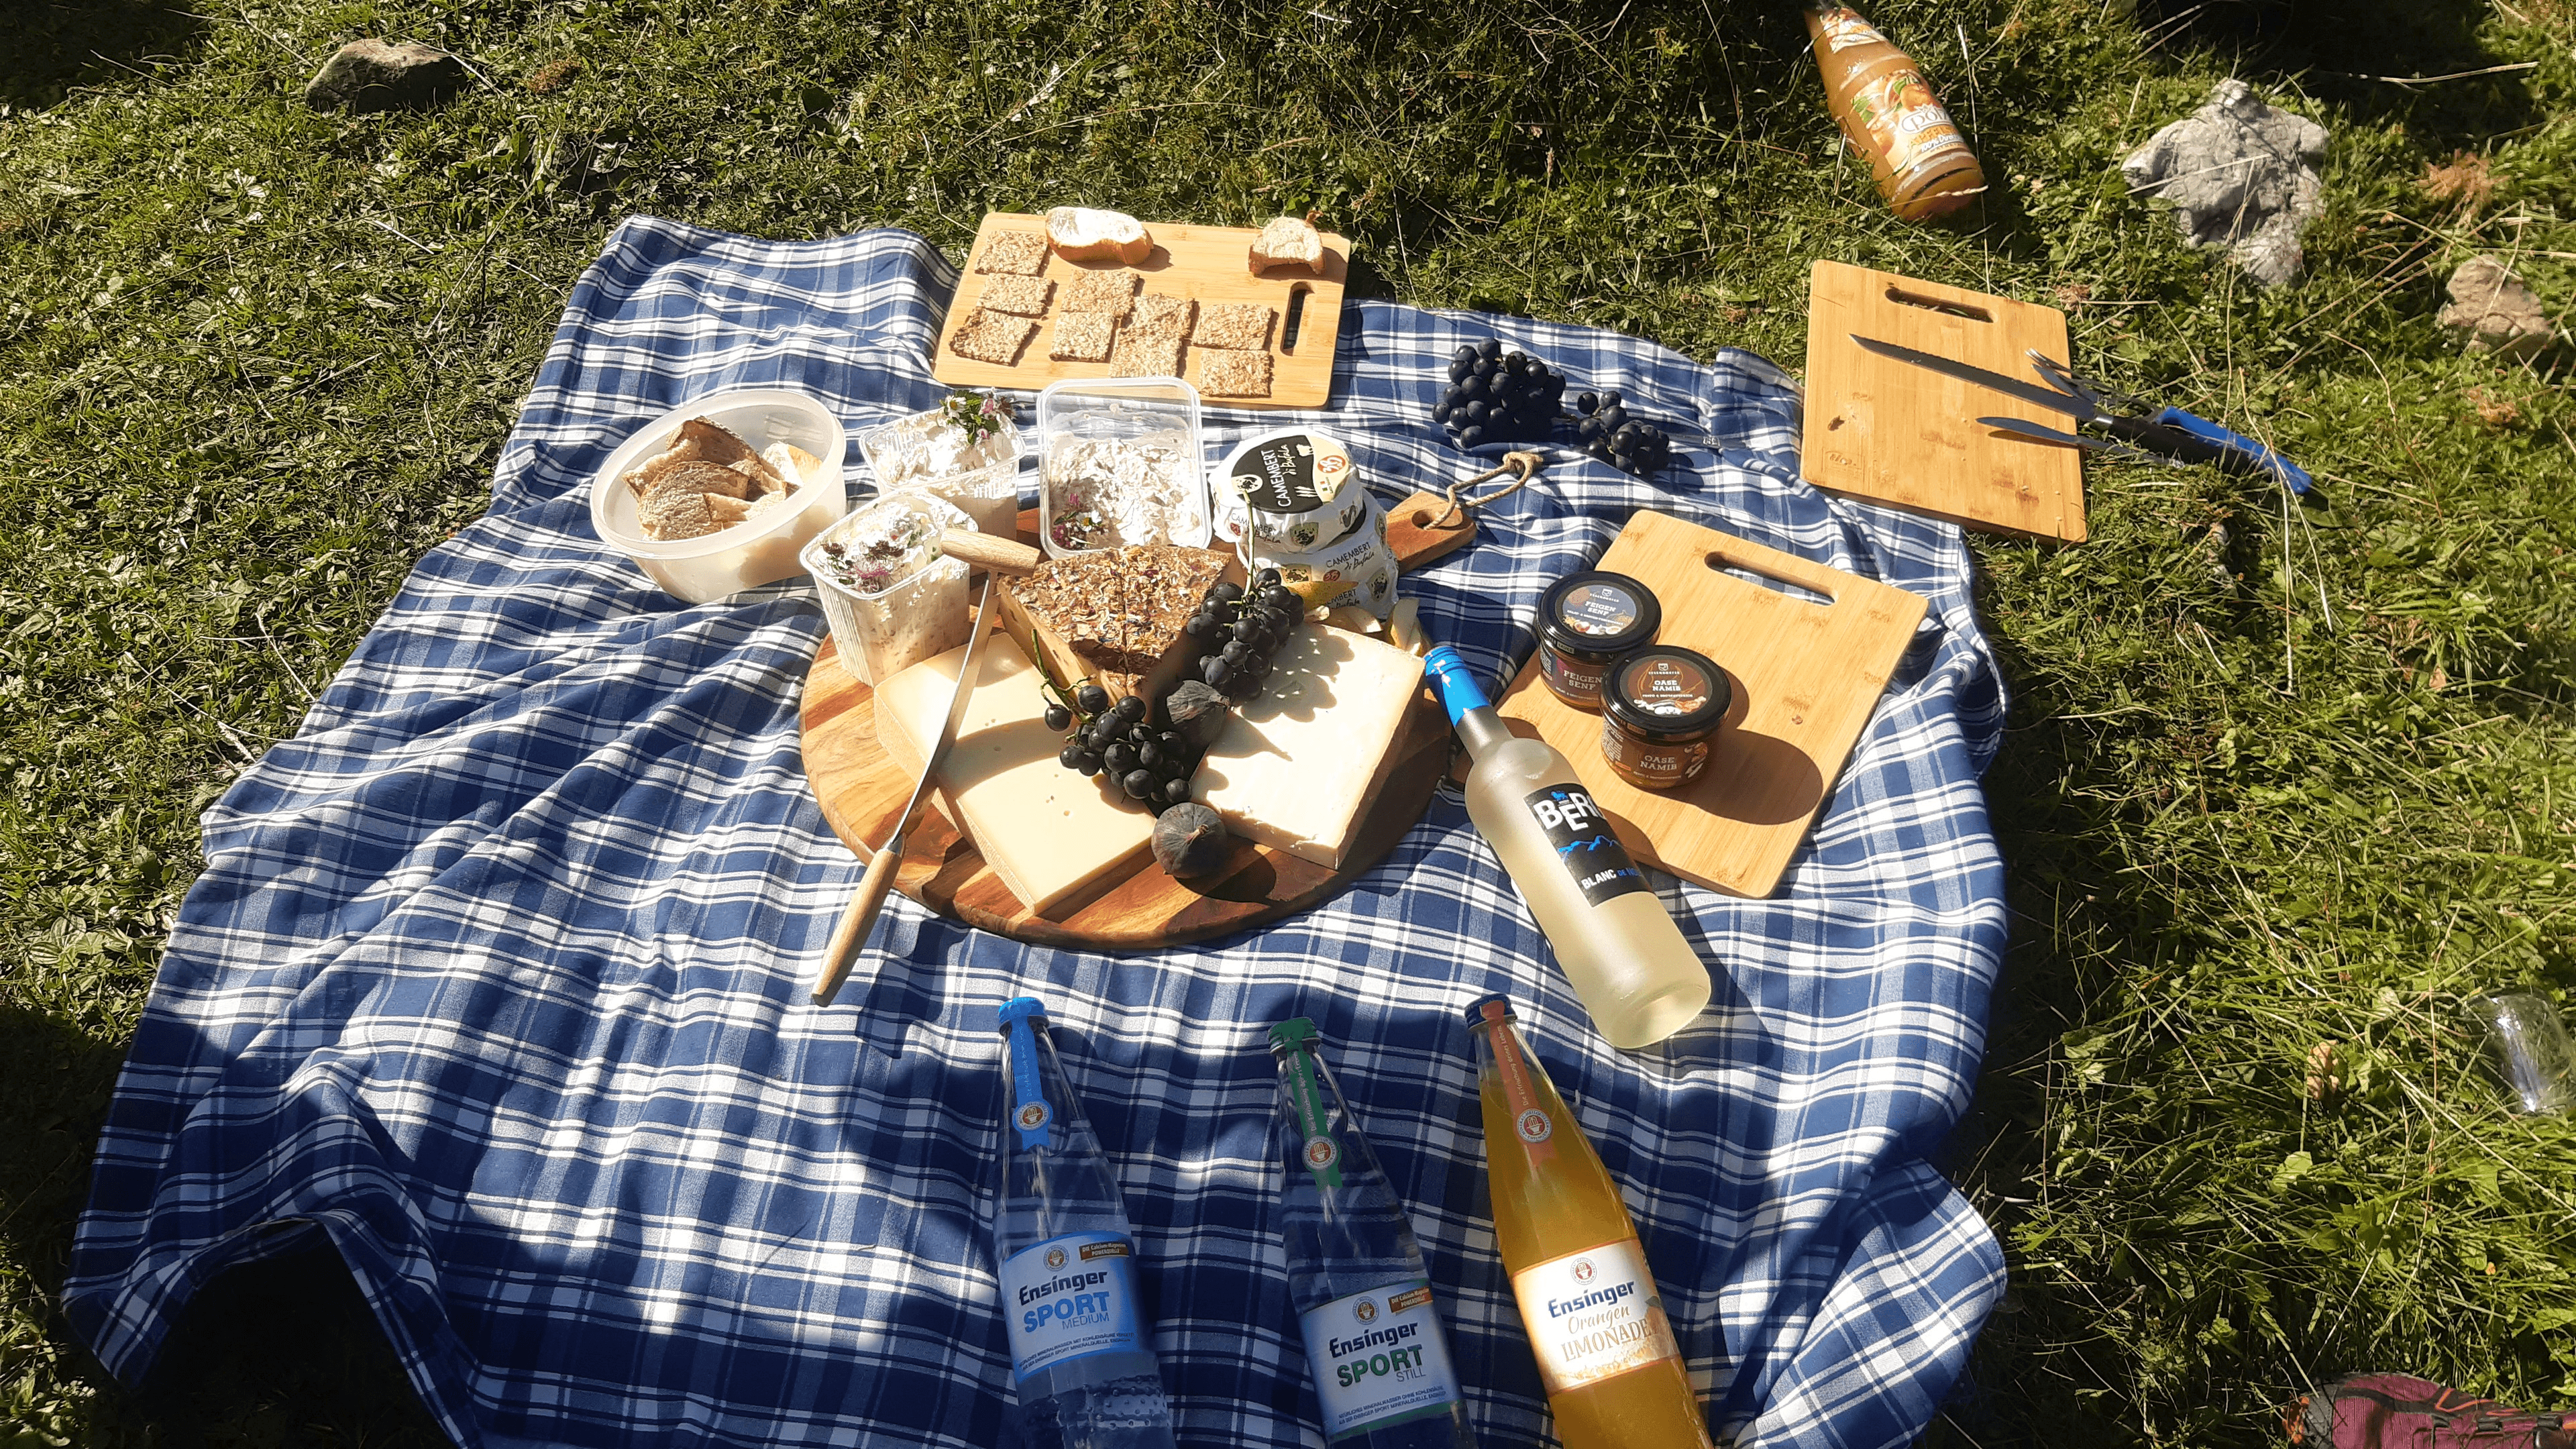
956	711
2024	428
2029	392
842	951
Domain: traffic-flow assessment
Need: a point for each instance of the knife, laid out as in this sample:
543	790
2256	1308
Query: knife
997	556
2172	433
2024	428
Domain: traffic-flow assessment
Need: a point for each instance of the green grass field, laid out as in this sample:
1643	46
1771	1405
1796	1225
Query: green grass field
2280	787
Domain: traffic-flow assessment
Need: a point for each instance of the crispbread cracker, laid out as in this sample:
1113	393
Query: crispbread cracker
1241	326
1082	337
1159	316
1112	292
1024	296
995	337
1227	373
1147	354
1018	253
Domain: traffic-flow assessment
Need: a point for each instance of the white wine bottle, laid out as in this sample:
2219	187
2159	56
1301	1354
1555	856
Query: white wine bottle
1637	976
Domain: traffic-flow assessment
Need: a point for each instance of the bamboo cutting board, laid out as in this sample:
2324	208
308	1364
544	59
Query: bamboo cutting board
1204	263
860	785
1895	433
1806	676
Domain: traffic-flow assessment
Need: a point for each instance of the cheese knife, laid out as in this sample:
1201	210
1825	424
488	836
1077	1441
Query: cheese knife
996	556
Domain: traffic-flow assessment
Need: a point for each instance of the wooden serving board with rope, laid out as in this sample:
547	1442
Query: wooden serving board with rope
861	786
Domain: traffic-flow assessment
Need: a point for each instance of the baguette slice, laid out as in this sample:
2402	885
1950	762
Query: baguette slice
1288	242
1084	234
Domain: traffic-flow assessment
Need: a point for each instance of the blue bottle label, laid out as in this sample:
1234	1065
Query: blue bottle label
1069	1298
1379	1358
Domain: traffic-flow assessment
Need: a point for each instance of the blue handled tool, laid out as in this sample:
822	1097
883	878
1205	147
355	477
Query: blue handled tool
2170	433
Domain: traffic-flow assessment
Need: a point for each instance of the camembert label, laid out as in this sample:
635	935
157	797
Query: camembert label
1593	1314
1584	843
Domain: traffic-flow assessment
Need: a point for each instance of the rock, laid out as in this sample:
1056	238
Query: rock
376	75
2497	312
2240	174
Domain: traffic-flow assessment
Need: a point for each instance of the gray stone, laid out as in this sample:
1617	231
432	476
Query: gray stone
2240	175
377	75
2497	312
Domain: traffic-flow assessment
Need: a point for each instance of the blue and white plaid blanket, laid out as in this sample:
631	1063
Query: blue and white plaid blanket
496	973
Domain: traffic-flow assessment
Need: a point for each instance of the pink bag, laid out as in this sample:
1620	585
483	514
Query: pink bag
2398	1411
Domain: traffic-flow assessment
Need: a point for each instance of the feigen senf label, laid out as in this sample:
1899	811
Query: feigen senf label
1378	1358
1593	1314
1584	843
1068	1298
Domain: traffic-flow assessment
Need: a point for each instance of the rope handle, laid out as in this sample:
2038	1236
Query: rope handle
1518	461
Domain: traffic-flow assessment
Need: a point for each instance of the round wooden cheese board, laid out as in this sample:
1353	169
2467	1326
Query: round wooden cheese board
860	786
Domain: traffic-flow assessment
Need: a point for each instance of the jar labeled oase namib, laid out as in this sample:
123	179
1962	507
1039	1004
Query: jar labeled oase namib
1585	623
1660	710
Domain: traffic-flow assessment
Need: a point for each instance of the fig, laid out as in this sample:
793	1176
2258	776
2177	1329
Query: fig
1190	840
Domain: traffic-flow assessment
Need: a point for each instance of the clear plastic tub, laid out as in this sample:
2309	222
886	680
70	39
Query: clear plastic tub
763	550
918	610
1137	501
928	452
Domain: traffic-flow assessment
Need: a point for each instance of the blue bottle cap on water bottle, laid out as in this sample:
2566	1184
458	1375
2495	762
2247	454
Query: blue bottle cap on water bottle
1493	1007
1018	1008
1459	690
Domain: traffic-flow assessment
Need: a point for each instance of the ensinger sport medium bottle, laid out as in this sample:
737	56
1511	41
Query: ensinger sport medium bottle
1637	976
1605	1351
1080	1353
1374	1343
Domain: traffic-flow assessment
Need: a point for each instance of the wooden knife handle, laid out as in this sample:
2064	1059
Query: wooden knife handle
852	934
989	551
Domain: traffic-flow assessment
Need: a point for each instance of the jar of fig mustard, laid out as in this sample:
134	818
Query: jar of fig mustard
1586	622
1660	711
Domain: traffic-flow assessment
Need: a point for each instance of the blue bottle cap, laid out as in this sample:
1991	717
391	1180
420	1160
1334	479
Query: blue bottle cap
1496	1007
1019	1008
1458	687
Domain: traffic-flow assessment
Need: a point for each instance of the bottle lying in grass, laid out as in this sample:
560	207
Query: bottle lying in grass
1086	1377
1605	1350
1374	1343
1890	115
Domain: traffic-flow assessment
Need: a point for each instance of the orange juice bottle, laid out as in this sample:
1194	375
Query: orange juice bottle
1605	1351
1923	165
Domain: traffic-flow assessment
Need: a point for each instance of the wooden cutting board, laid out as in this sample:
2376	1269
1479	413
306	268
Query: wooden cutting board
1206	264
1806	675
1896	433
860	787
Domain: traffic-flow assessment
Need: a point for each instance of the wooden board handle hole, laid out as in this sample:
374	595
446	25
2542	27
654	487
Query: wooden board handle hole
1752	574
1936	304
1296	318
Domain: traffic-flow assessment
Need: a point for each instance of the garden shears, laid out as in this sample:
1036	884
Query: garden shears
2167	433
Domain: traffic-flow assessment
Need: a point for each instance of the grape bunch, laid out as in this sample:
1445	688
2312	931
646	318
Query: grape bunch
1624	443
1236	630
1150	763
1231	638
1496	396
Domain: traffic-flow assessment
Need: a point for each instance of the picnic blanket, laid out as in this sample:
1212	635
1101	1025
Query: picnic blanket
496	976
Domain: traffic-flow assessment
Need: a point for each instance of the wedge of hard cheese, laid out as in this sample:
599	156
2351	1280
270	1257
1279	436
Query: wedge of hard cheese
1054	837
1296	768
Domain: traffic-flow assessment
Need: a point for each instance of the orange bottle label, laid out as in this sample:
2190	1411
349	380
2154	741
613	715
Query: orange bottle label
1844	29
1593	1314
1905	122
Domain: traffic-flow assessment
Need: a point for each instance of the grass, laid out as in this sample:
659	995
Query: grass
2278	784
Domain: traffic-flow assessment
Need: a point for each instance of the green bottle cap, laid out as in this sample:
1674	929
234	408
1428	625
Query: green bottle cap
1297	1033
